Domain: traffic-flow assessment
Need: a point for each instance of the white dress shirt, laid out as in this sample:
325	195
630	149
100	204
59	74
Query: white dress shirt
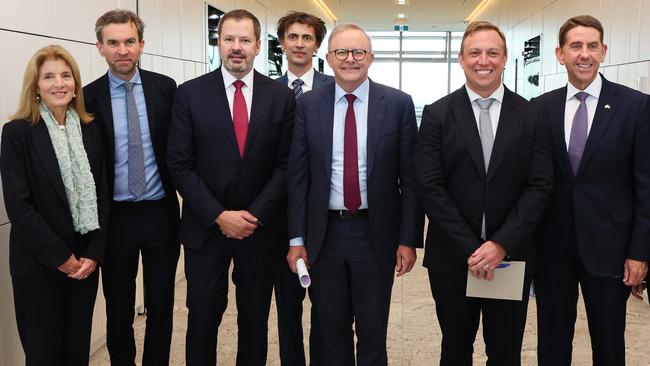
307	79
572	104
495	107
247	89
338	134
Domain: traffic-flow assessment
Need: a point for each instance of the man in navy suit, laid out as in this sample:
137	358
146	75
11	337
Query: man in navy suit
596	228
483	175
143	221
301	35
231	132
352	209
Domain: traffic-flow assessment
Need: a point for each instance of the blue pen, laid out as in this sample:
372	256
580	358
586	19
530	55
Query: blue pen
503	265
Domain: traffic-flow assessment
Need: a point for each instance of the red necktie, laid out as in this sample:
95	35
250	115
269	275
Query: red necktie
240	116
351	192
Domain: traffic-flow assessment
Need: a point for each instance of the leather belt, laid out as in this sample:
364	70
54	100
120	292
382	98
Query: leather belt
346	215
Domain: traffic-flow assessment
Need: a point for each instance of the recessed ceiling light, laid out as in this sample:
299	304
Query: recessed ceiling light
401	15
402	2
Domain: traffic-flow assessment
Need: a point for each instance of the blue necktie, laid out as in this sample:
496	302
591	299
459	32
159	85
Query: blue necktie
137	179
297	88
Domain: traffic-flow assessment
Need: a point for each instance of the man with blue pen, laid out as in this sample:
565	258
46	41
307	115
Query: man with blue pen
483	173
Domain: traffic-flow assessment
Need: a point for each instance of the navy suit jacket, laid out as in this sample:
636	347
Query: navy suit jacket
320	79
42	233
455	190
206	166
159	95
392	206
608	200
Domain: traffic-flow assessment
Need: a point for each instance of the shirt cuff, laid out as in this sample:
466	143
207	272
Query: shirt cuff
297	242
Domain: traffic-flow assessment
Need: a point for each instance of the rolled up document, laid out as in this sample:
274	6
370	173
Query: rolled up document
303	274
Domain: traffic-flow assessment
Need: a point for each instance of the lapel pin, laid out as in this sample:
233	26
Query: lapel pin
607	106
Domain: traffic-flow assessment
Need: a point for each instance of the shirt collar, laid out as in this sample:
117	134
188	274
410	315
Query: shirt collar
116	82
228	78
361	92
496	95
307	78
593	89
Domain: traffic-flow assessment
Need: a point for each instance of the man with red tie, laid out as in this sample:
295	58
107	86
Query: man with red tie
352	210
228	149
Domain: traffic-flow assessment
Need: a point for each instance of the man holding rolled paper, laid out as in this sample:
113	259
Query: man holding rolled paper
352	210
483	174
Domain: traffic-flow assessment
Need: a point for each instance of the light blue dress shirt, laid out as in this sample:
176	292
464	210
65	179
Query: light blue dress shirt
121	191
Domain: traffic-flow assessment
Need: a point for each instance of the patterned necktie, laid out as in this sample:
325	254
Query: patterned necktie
351	190
487	140
578	137
137	178
240	116
485	127
297	88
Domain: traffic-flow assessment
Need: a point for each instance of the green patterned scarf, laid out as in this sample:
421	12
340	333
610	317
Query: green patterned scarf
75	169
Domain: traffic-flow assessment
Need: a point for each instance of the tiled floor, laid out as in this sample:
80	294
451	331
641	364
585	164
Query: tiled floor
413	333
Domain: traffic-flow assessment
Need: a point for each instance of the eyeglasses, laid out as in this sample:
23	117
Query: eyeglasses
341	54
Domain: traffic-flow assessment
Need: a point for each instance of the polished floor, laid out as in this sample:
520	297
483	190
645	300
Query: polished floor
413	333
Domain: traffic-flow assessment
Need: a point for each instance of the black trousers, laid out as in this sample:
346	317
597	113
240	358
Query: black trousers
289	296
150	229
54	316
556	285
503	322
207	298
350	287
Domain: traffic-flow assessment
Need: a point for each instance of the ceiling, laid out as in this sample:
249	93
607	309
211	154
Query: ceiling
423	15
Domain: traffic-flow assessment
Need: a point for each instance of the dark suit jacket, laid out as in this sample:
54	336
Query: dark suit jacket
392	206
159	93
609	199
455	190
320	79
210	174
42	235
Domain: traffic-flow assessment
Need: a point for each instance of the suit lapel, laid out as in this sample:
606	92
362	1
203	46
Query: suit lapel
326	106
602	118
43	146
555	112
216	91
150	100
502	138
259	108
376	111
106	111
461	108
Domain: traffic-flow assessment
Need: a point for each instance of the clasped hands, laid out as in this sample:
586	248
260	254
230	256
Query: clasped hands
485	259
78	269
237	224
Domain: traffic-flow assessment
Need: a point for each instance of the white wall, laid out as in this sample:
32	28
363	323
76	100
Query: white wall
627	36
174	45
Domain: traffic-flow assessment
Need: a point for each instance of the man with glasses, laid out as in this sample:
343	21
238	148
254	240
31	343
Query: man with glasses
300	35
352	209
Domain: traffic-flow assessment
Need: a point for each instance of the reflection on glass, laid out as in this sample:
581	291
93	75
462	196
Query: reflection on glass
386	73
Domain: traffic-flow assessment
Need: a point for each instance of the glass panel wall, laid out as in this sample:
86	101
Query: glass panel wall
423	64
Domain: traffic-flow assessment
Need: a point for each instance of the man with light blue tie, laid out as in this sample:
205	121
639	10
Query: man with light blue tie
300	35
133	108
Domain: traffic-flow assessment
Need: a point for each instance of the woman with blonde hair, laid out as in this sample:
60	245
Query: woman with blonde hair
52	167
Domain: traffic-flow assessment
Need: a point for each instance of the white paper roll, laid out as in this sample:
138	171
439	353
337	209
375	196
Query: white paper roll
303	274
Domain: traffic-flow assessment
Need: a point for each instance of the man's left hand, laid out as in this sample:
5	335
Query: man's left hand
485	259
406	257
634	272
